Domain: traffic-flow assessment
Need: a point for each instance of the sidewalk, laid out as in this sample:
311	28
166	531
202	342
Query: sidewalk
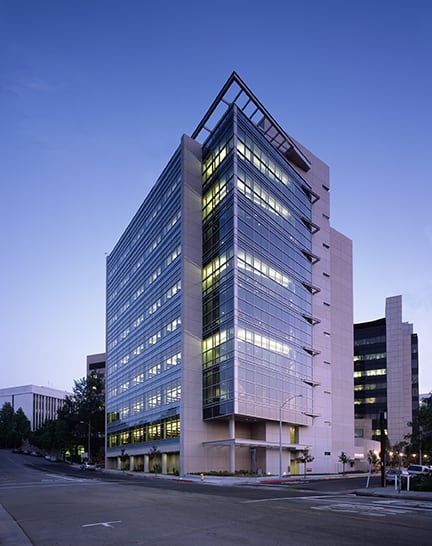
391	493
388	492
233	480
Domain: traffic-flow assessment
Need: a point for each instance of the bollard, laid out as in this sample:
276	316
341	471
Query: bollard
202	477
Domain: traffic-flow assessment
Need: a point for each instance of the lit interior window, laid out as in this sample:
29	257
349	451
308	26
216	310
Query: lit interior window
248	262
265	342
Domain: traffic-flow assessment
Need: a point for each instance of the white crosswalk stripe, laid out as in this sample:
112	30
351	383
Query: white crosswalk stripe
376	508
50	480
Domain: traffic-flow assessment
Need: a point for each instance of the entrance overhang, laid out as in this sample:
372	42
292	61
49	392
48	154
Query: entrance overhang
243	442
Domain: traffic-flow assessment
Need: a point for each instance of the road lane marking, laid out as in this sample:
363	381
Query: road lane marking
102	523
271	499
59	477
51	483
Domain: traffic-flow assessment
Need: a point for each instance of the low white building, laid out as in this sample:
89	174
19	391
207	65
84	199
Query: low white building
38	403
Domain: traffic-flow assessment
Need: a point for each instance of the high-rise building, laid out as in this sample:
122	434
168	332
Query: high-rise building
386	373
229	306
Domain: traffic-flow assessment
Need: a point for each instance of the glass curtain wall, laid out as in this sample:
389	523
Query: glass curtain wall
370	372
257	274
143	320
218	271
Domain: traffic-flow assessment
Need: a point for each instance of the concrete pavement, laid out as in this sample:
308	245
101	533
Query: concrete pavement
12	535
388	491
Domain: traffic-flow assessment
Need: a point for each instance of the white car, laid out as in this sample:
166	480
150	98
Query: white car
418	470
88	466
51	458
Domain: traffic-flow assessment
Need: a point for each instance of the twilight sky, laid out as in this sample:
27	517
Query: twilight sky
95	95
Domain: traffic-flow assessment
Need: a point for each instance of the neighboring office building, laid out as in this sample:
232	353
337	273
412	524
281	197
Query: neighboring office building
39	404
96	364
386	373
229	306
364	444
423	397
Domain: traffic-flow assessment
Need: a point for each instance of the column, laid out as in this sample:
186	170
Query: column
232	446
164	460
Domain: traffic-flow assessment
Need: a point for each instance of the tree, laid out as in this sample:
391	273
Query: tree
344	459
155	457
83	415
45	436
21	425
421	437
7	438
80	421
14	426
305	458
123	459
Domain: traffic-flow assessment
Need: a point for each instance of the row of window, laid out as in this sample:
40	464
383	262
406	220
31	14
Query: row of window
148	432
256	277
157	336
367	387
258	234
144	254
369	341
151	371
251	263
217	156
255	155
216	194
370	373
167	362
151	309
265	342
157	397
154	206
214	272
359	403
115	314
370	356
259	196
271	319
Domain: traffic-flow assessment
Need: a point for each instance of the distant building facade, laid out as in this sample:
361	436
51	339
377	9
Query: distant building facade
229	306
386	373
96	364
39	404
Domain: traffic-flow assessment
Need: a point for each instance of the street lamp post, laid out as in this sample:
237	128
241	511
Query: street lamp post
88	437
89	440
280	429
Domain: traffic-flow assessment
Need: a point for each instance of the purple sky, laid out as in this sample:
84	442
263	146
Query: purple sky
95	95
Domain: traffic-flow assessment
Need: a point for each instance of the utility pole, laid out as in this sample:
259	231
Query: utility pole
383	447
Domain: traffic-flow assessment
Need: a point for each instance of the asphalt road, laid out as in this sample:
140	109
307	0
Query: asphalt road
52	504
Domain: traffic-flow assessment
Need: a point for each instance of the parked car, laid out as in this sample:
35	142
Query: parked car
393	472
418	470
51	458
88	466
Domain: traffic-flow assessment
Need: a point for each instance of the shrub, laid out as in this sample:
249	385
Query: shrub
421	483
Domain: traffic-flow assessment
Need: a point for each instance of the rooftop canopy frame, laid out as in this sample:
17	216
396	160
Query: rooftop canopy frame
235	91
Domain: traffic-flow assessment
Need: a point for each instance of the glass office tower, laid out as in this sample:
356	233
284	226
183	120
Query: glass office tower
219	305
257	333
386	373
